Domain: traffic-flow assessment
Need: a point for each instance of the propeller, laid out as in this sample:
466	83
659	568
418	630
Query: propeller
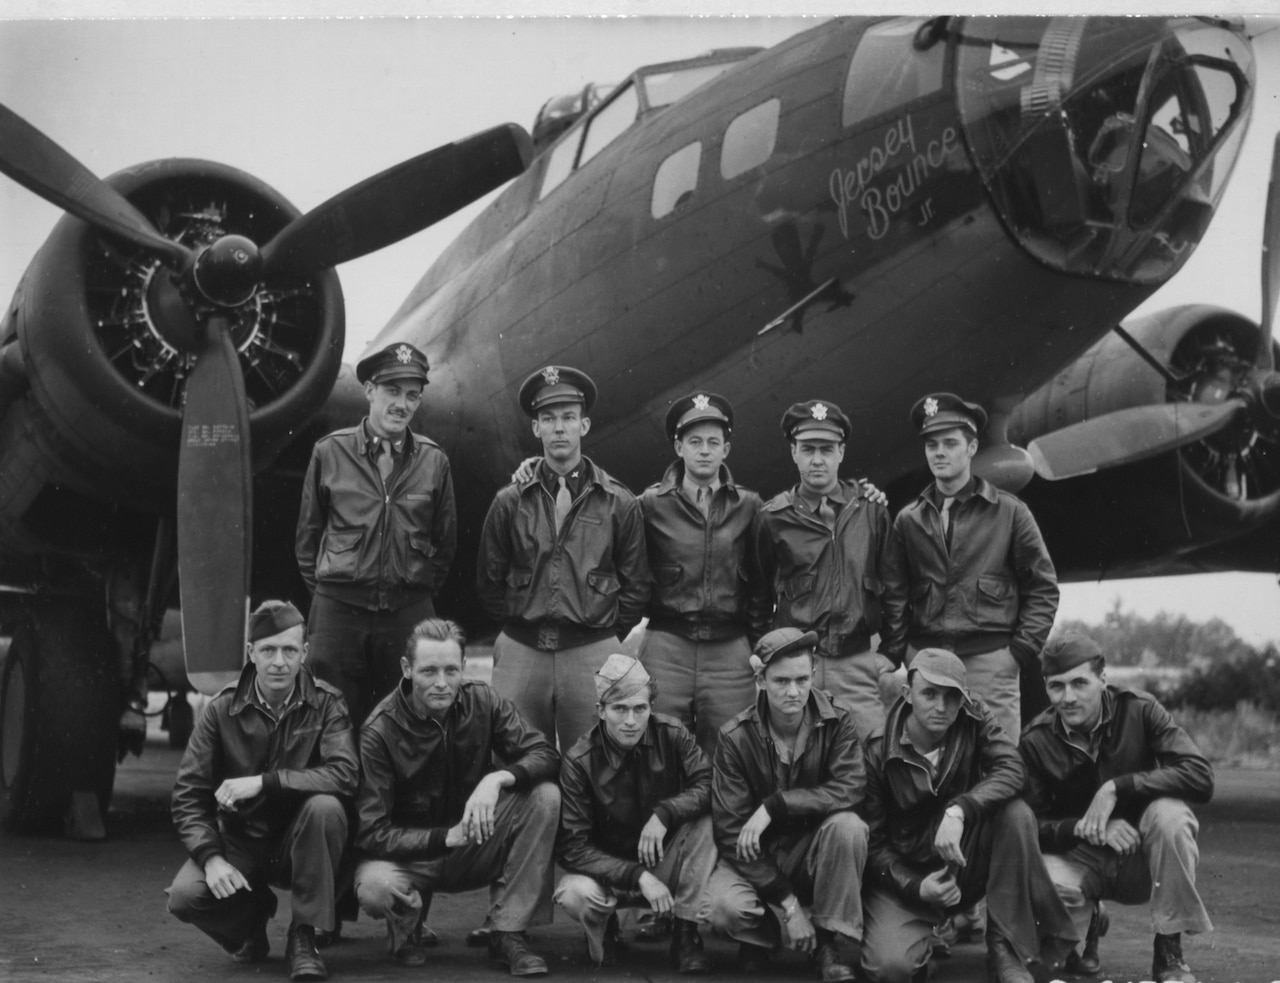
215	507
1140	432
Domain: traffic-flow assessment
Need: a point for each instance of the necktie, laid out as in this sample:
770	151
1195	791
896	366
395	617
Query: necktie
946	520
386	462
827	513
704	501
563	501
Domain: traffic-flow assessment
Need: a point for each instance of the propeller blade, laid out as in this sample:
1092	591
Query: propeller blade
215	513
39	164
400	201
1270	261
1126	436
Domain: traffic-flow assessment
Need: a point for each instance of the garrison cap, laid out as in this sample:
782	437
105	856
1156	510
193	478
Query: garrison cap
816	419
944	411
781	642
1068	650
273	617
699	408
620	677
942	668
398	361
554	385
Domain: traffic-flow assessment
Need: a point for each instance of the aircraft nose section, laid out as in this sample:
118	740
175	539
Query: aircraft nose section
1105	142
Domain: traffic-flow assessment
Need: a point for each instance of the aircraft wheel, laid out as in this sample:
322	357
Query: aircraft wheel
59	704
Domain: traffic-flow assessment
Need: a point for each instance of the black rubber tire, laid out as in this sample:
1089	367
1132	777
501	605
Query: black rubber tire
182	721
59	711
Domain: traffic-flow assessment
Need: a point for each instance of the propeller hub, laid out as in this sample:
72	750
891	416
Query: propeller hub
227	273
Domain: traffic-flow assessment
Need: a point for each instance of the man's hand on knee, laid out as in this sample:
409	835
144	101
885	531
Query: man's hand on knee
482	806
656	893
223	879
1122	837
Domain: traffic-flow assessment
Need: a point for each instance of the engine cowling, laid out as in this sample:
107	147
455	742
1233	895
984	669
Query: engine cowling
100	325
1220	487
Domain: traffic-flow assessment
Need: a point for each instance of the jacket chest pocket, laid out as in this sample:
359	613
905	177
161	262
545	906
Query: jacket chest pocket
340	554
995	601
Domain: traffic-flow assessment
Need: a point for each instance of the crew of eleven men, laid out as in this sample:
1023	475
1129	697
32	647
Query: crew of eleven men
741	776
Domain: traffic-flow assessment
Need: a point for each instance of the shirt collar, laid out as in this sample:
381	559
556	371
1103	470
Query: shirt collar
373	442
690	487
812	502
261	700
575	480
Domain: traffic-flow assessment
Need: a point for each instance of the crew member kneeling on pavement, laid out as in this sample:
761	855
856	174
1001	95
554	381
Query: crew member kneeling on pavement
436	816
1109	775
787	777
635	822
943	784
259	799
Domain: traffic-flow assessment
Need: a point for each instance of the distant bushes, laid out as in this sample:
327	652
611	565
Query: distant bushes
1248	677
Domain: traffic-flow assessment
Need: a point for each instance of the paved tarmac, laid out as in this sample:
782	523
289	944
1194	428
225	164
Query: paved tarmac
72	911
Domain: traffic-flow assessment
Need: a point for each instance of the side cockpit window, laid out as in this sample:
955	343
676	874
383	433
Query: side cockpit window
676	180
750	139
889	70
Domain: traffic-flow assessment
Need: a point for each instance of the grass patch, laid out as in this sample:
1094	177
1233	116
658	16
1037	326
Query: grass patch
1245	737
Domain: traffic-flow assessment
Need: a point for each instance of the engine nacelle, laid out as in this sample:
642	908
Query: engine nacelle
95	318
1122	519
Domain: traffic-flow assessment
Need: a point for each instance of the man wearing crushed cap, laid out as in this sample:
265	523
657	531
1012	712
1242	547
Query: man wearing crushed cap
635	822
786	782
561	565
822	546
967	569
376	532
709	602
260	799
943	783
1110	776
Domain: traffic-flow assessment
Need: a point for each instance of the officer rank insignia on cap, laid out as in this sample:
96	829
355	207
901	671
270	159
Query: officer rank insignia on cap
819	411
404	354
696	408
945	411
551	375
816	419
930	407
555	385
701	401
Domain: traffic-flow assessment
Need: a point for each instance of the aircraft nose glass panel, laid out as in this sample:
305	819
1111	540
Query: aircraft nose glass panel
1105	142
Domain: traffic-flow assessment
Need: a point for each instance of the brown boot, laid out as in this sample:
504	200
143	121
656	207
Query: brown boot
687	956
1167	963
1003	964
304	959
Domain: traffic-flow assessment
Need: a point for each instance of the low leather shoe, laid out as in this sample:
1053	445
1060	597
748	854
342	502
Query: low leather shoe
687	955
1003	964
829	967
254	949
1167	963
411	951
304	959
511	949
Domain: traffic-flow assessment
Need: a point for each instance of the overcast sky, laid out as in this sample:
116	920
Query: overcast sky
313	106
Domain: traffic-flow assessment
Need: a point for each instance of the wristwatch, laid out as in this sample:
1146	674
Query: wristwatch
788	912
955	812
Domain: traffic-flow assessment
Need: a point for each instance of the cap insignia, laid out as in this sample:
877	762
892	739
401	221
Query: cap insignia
930	407
404	354
701	402
551	375
819	411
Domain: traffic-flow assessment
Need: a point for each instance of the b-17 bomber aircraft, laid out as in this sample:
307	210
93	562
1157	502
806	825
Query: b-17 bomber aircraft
871	210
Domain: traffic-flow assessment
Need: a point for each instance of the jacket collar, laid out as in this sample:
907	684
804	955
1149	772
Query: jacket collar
820	709
364	441
977	486
674	476
853	492
895	726
591	475
1104	721
305	690
615	753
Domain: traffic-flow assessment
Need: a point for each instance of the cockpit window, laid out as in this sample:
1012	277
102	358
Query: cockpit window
610	123
664	88
1105	142
676	180
887	71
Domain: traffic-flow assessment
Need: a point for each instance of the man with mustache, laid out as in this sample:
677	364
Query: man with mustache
260	799
1110	776
943	783
376	532
635	820
822	547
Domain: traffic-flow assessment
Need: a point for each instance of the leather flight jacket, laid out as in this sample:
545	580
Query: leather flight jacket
995	587
707	581
979	770
823	580
828	777
309	749
375	547
556	589
608	793
1139	746
417	773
